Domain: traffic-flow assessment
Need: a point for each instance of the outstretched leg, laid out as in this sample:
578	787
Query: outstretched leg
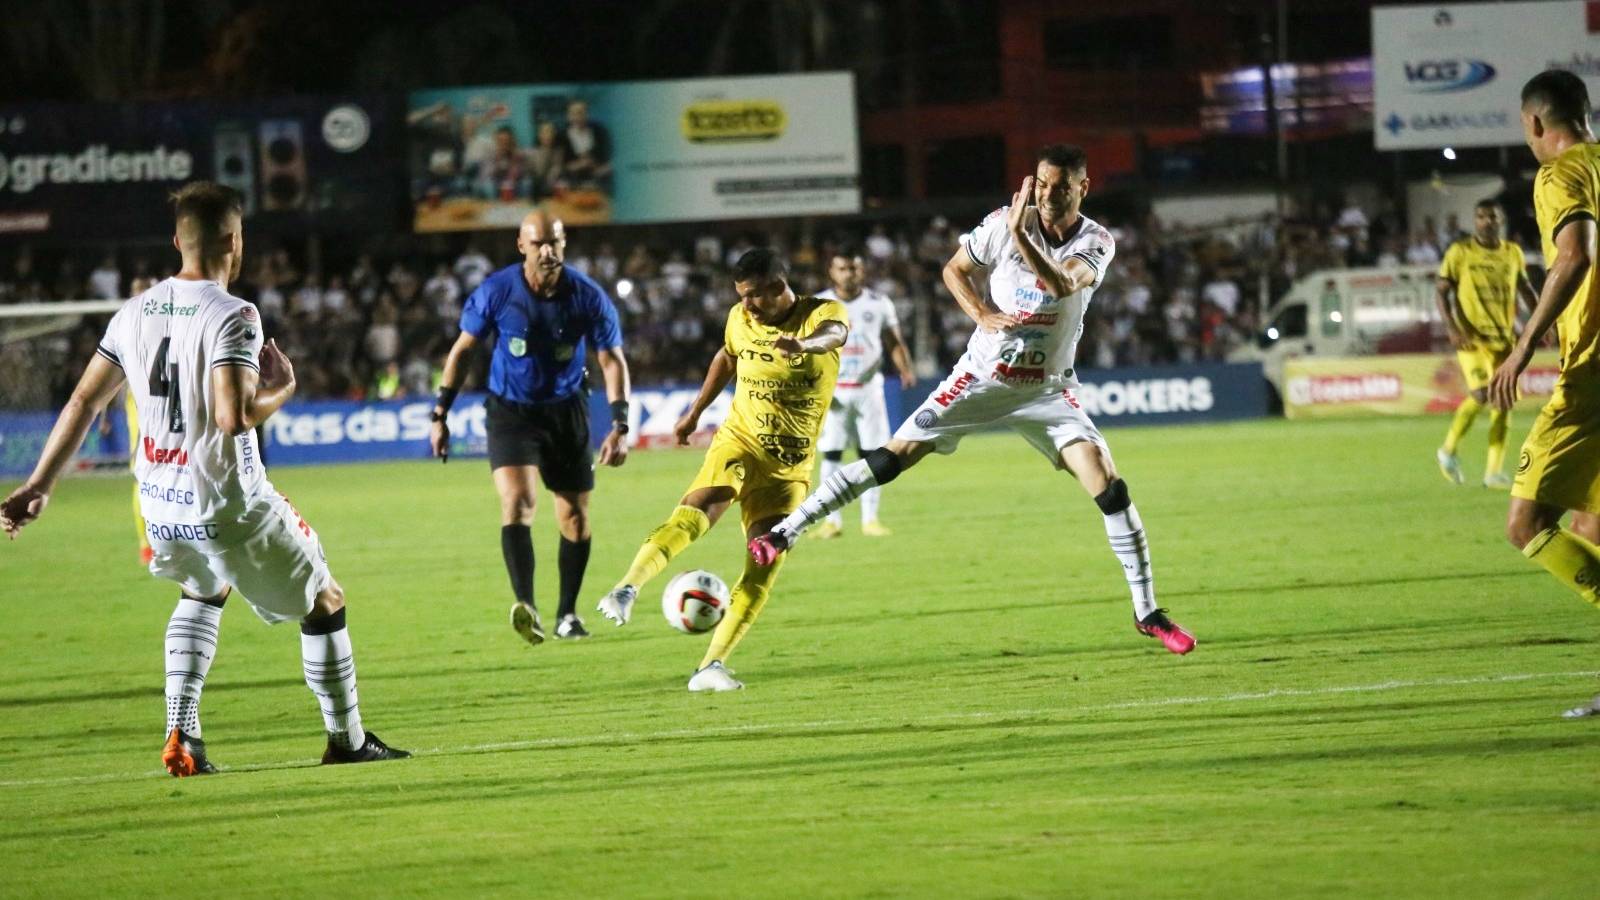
877	468
749	597
696	513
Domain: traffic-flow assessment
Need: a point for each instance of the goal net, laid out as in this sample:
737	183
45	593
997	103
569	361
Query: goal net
43	348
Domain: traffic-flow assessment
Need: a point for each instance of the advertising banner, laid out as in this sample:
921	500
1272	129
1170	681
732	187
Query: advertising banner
639	151
105	170
1401	384
23	435
1452	75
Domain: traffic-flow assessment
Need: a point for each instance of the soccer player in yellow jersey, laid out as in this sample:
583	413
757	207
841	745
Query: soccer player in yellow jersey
1480	279
1559	470
784	351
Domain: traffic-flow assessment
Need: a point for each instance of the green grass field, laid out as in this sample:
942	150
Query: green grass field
962	709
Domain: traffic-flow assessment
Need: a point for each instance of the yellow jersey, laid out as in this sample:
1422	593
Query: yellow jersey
778	400
1486	289
1567	189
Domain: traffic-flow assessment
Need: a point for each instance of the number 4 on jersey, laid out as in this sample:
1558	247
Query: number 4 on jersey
164	381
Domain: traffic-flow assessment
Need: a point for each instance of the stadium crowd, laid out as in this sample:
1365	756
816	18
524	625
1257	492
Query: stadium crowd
379	326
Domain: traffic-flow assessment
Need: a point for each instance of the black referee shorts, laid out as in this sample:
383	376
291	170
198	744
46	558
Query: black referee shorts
552	436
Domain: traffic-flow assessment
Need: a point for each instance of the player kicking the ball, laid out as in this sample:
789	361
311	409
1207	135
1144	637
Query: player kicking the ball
1043	264
189	350
784	351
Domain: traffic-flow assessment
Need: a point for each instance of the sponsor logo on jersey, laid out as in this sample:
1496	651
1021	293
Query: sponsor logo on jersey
95	164
926	419
164	494
162	456
161	531
1040	319
733	121
1019	374
154	307
956	389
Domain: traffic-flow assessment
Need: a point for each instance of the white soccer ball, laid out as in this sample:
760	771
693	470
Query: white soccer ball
694	602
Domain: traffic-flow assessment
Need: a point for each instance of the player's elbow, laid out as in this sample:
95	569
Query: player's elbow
233	421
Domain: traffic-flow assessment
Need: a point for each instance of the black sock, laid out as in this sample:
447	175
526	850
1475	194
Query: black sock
516	545
574	558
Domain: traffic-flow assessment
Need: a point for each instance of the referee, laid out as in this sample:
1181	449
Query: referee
541	313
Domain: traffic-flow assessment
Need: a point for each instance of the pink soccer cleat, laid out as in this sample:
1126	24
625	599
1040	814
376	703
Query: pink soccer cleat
766	548
1172	636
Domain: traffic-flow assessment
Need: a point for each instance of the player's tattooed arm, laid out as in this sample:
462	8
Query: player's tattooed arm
830	335
100	382
1575	253
718	374
1060	278
958	275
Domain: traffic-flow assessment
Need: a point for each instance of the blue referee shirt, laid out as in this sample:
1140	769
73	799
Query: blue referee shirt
539	349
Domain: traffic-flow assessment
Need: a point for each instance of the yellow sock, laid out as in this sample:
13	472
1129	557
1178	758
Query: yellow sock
1570	558
681	529
1465	413
1499	426
749	595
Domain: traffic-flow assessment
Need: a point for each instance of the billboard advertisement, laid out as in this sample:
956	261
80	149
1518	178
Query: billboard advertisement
638	151
1452	75
1401	384
105	170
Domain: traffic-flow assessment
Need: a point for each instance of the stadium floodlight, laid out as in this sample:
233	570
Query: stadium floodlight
1450	153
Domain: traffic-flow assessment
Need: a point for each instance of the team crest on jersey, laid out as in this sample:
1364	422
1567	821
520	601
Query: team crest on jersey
517	346
247	313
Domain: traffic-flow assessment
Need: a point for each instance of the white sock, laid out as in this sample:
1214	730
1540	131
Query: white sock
835	492
1126	534
828	468
869	505
191	644
330	667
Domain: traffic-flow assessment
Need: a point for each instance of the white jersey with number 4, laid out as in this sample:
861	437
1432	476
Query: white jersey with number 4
1043	348
861	357
167	340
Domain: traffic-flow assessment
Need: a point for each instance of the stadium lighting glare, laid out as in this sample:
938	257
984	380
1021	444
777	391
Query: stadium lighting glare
1450	153
624	288
1336	316
1272	333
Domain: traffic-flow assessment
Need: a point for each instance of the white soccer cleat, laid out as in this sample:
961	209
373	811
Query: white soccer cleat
1449	466
714	677
1592	708
618	605
1499	481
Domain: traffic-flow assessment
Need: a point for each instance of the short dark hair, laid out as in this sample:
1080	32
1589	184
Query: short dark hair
208	204
1064	156
760	264
1488	203
1560	97
847	251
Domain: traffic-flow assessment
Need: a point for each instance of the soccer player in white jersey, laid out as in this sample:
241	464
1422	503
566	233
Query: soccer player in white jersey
1043	262
192	355
857	415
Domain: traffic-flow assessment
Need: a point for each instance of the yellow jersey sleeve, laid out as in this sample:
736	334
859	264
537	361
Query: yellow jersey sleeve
825	311
1567	190
1450	266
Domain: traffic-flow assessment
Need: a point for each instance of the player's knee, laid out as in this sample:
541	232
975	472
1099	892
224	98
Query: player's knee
1114	498
323	623
517	506
884	464
216	601
833	456
329	601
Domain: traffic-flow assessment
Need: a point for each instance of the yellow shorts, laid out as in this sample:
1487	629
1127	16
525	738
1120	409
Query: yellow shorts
731	464
1479	363
1560	462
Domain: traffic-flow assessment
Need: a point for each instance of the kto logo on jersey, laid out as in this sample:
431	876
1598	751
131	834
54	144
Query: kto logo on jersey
1438	76
733	121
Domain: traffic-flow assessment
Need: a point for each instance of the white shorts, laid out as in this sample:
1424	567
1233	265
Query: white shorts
1049	418
270	555
856	416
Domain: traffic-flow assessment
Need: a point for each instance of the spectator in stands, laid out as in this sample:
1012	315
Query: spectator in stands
547	160
588	148
105	282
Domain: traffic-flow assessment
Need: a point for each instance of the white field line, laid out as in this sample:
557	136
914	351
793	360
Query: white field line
818	724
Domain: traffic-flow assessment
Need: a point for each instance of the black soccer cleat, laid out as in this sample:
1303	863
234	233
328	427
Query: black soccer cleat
570	628
184	756
374	750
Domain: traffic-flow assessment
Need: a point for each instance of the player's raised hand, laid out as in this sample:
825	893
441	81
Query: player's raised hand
23	506
789	345
614	449
1503	385
276	369
1017	215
